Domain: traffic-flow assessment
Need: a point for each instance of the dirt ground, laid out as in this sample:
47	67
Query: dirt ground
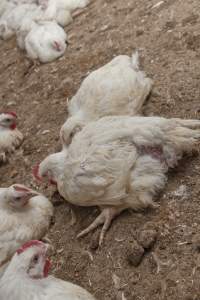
168	38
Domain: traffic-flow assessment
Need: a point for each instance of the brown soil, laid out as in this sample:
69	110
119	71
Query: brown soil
168	38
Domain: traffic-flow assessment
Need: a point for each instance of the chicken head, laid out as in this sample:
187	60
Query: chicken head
18	195
8	120
31	258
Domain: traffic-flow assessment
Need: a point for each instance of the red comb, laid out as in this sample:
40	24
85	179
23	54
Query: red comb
35	173
47	267
19	188
12	113
28	245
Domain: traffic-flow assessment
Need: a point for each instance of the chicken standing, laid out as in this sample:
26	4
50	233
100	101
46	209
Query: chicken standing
118	163
26	278
118	88
24	214
10	136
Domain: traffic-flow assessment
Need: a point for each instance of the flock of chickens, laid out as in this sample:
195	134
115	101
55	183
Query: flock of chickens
37	25
111	157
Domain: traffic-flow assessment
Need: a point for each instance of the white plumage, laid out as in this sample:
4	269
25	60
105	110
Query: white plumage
10	136
46	41
69	5
14	16
24	214
117	88
119	162
60	10
31	20
6	29
26	278
3	5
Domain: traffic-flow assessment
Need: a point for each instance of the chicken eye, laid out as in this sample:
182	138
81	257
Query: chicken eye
35	259
7	120
17	198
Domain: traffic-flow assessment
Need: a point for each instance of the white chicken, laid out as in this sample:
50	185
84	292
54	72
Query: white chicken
118	163
26	278
25	214
46	41
14	16
6	31
117	88
3	5
10	137
60	10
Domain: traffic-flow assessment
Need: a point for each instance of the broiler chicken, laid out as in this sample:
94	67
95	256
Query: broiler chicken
61	10
14	15
117	88
25	214
46	41
118	163
10	136
6	9
36	31
26	278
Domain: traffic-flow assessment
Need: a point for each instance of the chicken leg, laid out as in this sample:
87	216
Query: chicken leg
105	218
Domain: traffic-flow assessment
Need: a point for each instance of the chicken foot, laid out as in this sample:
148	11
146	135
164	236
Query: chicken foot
105	218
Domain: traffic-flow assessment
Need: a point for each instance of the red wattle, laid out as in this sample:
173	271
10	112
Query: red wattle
13	126
47	267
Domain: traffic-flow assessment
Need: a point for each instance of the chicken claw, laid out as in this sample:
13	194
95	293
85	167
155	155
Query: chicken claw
105	218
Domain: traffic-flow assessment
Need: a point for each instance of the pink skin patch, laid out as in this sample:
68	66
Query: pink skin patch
154	151
57	46
35	173
28	245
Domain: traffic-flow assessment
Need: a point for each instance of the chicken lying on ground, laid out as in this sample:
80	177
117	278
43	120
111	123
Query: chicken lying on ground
61	10
26	278
46	41
14	15
36	31
118	88
10	136
24	214
118	163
